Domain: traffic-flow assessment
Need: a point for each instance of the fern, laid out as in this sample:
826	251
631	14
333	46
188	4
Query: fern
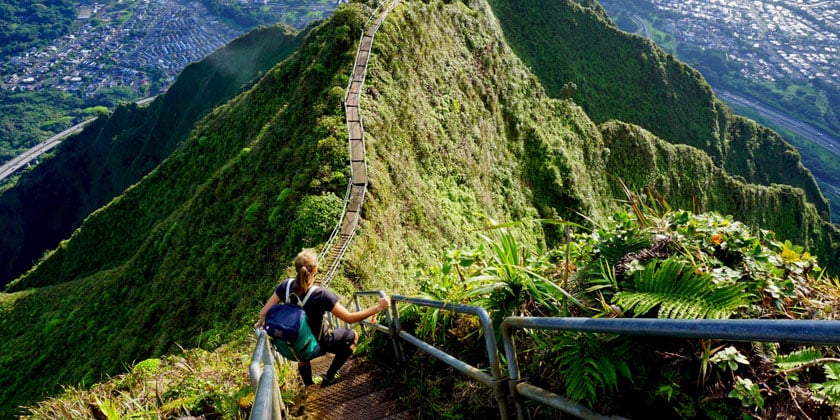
680	293
589	365
829	391
797	359
791	364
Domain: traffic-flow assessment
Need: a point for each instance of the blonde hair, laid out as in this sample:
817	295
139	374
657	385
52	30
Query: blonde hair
305	264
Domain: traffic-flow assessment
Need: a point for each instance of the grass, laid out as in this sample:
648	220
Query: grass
195	382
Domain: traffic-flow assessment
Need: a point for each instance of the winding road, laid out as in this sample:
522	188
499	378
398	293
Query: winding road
830	143
24	158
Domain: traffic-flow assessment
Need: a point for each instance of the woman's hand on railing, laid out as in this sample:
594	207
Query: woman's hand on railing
383	304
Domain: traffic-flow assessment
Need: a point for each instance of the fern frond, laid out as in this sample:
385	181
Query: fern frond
680	293
797	358
613	252
829	391
832	371
590	363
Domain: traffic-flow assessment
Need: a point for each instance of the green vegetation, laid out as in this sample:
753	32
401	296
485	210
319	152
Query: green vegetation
651	262
813	102
192	383
114	153
190	212
820	161
25	25
456	127
625	77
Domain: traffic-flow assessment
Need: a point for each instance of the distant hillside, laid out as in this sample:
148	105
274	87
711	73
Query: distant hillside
51	201
457	126
628	78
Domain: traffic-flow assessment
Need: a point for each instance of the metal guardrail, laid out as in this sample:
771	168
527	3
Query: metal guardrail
750	330
494	380
267	401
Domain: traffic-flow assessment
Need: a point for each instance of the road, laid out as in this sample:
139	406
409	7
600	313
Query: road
832	144
28	156
828	142
643	26
23	159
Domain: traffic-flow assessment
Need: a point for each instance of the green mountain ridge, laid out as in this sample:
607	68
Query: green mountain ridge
49	202
457	125
628	78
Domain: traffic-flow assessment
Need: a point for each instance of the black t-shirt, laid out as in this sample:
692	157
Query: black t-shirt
320	302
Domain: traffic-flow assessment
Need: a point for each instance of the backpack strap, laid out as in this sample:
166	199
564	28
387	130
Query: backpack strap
308	294
301	303
288	288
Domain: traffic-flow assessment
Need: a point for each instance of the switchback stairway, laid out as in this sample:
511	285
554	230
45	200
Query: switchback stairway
361	393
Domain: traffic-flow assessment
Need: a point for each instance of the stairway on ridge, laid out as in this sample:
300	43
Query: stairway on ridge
363	391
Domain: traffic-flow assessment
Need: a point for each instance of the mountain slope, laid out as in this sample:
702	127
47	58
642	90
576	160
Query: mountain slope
52	200
182	256
626	77
456	126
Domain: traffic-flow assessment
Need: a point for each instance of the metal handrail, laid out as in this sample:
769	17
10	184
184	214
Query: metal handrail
358	306
766	330
267	401
494	380
782	331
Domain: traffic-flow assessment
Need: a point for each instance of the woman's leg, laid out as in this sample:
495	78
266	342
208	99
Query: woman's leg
342	343
305	370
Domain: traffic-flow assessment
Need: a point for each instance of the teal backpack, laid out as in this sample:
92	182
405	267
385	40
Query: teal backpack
286	324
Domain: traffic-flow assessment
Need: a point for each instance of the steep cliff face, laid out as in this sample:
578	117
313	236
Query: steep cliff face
457	126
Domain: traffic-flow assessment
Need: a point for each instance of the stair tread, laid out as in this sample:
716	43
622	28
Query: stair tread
360	393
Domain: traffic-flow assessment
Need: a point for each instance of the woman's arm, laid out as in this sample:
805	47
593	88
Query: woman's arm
273	300
353	317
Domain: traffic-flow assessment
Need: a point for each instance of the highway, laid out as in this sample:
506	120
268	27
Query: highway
23	159
13	165
828	142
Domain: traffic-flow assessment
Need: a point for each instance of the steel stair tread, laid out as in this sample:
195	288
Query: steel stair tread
360	393
372	405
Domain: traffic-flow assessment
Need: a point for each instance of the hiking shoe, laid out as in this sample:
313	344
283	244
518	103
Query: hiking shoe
325	382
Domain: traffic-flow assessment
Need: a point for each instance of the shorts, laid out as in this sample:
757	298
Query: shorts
337	341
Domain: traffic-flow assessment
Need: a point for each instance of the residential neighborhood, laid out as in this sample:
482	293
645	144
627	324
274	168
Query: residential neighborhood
772	39
124	47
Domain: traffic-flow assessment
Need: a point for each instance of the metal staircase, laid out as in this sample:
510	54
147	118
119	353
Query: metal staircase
362	392
334	249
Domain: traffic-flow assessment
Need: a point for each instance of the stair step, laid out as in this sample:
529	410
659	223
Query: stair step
362	392
371	405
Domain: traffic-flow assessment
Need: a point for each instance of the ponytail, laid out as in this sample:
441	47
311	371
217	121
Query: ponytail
306	263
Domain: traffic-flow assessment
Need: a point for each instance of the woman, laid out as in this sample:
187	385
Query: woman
340	341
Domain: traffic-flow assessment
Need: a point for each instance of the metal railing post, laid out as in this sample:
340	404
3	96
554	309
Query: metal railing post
493	381
390	315
394	331
508	340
